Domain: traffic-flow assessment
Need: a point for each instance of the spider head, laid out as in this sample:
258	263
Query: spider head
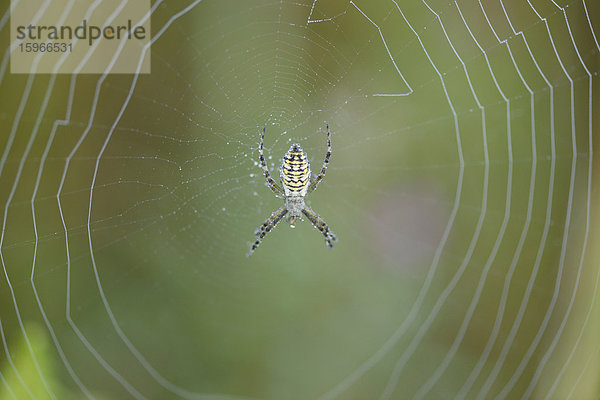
294	205
293	220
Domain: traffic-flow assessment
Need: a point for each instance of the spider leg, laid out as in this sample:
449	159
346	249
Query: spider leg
318	222
276	215
266	227
321	175
271	183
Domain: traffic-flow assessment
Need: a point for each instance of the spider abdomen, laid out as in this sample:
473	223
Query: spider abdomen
295	172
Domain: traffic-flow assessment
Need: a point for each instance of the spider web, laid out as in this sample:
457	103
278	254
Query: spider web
461	188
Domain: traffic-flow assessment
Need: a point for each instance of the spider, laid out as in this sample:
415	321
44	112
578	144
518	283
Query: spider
295	179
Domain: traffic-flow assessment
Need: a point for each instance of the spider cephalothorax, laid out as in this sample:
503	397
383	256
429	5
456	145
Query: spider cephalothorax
295	179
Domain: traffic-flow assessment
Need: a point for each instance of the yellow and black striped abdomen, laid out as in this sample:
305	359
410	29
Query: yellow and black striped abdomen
295	172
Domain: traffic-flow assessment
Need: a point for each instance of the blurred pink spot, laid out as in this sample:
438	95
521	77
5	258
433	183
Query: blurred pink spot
406	227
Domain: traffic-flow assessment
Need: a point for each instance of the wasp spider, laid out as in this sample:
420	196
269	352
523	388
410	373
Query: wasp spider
295	178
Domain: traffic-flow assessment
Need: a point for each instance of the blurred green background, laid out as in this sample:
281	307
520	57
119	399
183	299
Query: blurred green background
462	188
